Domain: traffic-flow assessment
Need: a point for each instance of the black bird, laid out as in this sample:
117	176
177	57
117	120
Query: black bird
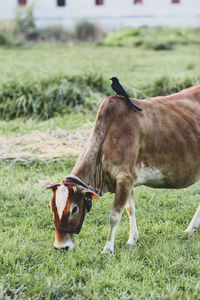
118	88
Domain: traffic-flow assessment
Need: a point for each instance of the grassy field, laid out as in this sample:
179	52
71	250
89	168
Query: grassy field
164	264
134	66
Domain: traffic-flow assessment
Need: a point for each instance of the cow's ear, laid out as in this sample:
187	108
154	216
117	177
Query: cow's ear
44	183
90	194
47	185
53	187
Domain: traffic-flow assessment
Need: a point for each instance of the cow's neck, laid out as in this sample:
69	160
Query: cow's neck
87	165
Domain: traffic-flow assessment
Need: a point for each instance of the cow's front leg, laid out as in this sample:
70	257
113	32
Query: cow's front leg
133	233
121	196
115	217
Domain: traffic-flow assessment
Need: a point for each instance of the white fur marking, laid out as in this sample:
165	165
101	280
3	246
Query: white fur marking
149	176
61	199
67	243
194	224
114	221
74	189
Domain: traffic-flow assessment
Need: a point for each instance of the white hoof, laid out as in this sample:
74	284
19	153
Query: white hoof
108	249
107	252
190	230
132	242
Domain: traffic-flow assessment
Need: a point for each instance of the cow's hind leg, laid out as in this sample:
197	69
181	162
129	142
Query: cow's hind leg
122	193
130	208
194	224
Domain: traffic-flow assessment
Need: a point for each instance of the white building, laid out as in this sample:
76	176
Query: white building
110	13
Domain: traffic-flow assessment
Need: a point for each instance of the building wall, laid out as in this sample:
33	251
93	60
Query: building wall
113	14
7	8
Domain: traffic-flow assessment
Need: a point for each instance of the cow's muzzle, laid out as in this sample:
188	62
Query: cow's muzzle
67	244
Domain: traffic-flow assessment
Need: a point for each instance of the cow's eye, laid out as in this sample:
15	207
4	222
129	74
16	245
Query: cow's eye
74	210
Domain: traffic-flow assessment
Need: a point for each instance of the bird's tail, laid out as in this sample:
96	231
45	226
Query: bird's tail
135	107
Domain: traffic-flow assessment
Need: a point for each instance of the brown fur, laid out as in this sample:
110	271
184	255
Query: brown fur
164	136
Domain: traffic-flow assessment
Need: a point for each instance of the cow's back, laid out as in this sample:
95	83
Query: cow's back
161	142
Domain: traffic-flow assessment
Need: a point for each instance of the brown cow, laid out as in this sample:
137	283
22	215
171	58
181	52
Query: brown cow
158	147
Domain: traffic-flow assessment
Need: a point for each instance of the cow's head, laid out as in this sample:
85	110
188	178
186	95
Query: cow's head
69	204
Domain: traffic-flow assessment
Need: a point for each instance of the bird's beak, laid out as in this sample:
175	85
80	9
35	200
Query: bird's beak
110	78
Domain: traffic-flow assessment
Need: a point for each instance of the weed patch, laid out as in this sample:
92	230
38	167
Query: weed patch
166	86
45	99
60	95
156	38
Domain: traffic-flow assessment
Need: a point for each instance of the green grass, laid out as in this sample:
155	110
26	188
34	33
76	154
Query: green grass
133	66
164	264
155	38
72	121
49	97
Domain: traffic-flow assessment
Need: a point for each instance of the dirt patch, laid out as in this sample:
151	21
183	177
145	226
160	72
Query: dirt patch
50	145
